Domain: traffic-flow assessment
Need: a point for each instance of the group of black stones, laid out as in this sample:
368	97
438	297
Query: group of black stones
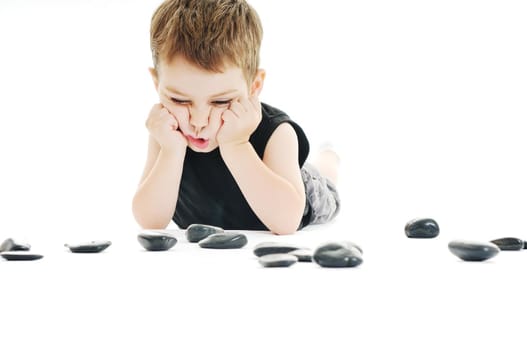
277	254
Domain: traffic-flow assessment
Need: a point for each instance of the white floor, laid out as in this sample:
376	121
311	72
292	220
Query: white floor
425	102
410	294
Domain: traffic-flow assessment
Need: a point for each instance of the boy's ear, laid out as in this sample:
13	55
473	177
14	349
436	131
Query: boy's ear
155	79
258	82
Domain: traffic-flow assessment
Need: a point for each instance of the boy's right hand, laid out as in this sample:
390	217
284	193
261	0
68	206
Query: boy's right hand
163	126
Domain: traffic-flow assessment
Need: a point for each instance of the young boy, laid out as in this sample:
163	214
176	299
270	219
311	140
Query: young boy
216	155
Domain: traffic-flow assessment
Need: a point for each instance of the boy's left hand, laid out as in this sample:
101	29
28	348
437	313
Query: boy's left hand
239	121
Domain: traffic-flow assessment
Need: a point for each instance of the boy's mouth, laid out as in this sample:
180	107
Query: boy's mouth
198	142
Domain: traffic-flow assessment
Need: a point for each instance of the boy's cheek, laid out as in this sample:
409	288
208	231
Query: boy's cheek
216	114
179	112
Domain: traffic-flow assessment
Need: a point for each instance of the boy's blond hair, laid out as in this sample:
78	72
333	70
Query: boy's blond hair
208	33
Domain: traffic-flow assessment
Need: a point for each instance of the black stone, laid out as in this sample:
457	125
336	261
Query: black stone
226	240
197	232
338	254
265	248
508	243
524	244
338	244
156	241
303	255
422	228
472	250
90	247
277	260
9	245
20	256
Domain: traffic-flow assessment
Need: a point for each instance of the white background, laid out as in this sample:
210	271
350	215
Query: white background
424	100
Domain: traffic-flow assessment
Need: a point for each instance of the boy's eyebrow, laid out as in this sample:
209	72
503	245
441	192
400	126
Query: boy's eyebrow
176	91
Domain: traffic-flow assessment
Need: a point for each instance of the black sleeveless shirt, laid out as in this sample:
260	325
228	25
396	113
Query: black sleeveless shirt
208	193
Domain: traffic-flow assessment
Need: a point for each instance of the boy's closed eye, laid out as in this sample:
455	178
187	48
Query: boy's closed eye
222	102
179	101
187	102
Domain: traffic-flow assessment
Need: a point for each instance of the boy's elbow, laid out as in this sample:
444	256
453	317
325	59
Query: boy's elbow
283	232
153	226
147	222
290	222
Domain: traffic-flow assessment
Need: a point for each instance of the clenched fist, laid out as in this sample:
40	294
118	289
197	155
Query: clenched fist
163	126
239	121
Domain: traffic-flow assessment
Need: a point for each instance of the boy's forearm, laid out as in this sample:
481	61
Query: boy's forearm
274	200
156	197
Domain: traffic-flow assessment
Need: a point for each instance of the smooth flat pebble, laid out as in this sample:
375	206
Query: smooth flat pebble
303	255
10	245
338	254
508	243
89	247
156	241
338	244
226	240
277	260
197	232
265	248
473	250
421	228
20	256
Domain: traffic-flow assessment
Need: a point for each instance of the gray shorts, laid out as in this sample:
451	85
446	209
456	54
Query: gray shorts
321	195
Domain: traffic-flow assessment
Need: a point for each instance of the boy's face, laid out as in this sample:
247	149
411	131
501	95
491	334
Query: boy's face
197	98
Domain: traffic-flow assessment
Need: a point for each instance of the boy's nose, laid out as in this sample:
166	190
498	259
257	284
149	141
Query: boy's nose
199	118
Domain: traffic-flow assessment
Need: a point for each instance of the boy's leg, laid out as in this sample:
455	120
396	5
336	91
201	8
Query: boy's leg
320	176
327	163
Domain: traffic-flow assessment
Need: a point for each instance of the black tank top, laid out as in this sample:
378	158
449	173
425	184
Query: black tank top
208	193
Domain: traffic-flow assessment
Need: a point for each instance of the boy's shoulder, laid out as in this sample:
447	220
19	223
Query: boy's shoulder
271	111
272	117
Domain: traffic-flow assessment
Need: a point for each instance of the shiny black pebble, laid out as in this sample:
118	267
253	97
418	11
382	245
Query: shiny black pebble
156	241
508	243
277	260
90	247
9	245
20	256
422	228
303	255
226	240
265	248
524	244
338	245
197	232
472	250
338	254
